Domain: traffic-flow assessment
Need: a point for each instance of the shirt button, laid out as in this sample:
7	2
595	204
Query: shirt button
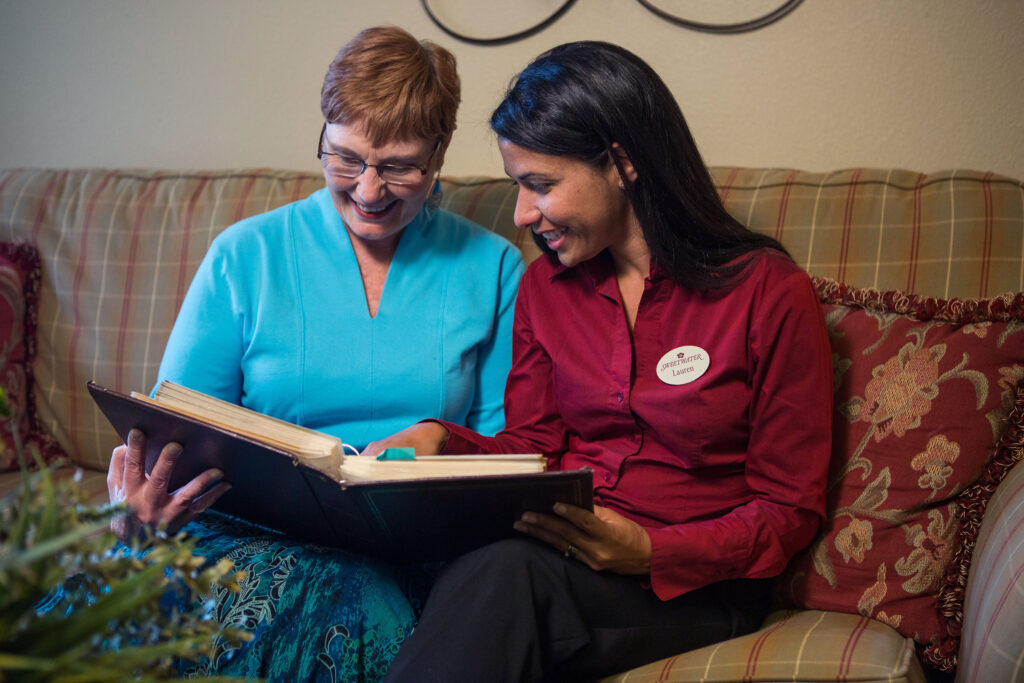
619	396
607	476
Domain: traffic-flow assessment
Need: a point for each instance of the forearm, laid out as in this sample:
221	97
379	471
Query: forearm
756	540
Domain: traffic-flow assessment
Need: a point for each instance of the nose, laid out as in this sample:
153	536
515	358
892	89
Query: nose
369	186
526	213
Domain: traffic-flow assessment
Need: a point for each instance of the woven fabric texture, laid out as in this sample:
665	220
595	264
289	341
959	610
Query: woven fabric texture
925	392
794	646
19	299
119	249
995	588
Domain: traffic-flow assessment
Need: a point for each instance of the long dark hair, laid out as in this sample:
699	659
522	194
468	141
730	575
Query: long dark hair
578	99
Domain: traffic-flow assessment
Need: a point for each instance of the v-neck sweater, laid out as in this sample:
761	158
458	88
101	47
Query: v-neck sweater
276	320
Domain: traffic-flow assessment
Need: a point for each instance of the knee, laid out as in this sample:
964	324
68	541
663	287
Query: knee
510	554
503	565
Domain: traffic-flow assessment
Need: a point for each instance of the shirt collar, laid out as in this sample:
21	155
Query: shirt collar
600	269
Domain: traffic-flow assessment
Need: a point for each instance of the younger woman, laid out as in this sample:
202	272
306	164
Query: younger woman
678	355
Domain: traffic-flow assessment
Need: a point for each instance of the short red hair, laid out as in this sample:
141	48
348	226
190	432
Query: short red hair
394	86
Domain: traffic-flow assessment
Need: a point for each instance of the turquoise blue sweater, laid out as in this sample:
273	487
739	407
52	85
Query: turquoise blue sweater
276	320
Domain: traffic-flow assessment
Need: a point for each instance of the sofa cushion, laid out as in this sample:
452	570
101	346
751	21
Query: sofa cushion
924	389
794	646
491	203
121	248
19	291
946	234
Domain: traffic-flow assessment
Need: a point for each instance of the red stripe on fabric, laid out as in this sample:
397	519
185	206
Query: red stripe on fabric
780	222
298	187
129	280
520	235
915	239
755	651
240	207
999	561
724	188
474	199
666	670
186	239
8	177
846	659
75	289
986	257
844	243
44	201
1011	588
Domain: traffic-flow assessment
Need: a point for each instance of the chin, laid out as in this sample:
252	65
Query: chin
568	260
373	233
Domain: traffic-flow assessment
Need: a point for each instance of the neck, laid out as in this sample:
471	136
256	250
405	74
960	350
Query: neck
374	260
632	257
374	251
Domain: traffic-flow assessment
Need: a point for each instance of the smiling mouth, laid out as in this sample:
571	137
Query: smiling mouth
367	211
550	236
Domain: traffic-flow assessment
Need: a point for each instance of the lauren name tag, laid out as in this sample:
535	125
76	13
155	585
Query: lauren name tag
683	365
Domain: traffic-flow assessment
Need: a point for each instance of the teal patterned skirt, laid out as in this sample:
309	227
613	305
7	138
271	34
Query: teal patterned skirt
317	614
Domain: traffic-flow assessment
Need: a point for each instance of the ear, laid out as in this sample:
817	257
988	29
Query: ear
623	162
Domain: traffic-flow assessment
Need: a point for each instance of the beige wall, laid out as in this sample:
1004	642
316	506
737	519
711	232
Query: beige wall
919	84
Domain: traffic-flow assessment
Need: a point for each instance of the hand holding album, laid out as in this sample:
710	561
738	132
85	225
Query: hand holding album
296	480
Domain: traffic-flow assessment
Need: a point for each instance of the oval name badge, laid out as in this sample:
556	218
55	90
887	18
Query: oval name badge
683	364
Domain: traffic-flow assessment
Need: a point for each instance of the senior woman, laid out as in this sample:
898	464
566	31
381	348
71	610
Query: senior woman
353	311
678	355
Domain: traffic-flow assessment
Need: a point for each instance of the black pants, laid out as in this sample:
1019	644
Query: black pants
517	610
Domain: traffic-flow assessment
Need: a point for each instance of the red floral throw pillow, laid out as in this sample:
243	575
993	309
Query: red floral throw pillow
19	287
926	422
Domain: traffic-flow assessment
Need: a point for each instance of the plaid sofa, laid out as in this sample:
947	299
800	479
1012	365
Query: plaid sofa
118	249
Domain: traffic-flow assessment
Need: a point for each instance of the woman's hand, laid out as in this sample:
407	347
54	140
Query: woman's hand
602	539
426	438
150	502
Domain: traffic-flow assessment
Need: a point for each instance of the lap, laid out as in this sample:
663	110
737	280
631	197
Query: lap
534	614
316	613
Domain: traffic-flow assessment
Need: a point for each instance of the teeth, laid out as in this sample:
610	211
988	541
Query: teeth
367	209
552	235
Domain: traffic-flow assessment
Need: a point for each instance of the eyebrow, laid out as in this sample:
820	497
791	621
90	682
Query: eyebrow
532	177
393	161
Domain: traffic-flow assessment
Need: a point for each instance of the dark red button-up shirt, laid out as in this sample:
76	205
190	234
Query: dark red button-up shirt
710	426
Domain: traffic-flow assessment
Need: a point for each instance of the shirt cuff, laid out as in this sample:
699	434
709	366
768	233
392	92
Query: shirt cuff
460	439
682	560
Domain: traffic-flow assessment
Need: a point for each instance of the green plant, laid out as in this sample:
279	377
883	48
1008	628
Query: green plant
75	606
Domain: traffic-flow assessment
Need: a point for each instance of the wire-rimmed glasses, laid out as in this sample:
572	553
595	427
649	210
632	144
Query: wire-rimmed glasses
348	166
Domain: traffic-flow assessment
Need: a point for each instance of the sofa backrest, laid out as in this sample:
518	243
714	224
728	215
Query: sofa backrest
119	249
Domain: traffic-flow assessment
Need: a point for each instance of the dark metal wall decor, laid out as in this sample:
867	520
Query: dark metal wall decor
739	27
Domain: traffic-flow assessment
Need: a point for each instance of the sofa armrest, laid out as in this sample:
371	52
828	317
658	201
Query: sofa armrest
992	645
808	646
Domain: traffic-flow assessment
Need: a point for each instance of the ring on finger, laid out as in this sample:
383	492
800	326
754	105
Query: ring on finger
570	552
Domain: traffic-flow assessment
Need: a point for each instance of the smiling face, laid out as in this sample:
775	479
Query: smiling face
371	209
577	209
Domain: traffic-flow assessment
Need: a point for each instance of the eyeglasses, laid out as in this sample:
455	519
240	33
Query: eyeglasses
353	167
